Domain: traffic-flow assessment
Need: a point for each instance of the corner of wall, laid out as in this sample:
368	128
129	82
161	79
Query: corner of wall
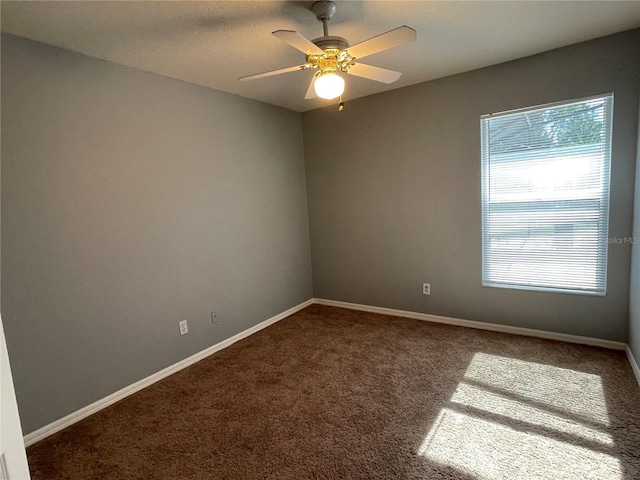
634	287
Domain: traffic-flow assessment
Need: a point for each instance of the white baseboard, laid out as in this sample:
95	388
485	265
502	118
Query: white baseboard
634	364
78	415
494	327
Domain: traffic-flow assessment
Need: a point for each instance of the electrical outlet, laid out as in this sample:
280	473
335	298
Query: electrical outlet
426	289
214	316
183	327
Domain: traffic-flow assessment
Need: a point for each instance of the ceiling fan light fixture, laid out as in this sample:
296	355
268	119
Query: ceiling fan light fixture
329	85
332	56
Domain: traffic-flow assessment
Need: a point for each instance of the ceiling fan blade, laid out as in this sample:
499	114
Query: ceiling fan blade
298	41
311	91
385	41
275	72
374	73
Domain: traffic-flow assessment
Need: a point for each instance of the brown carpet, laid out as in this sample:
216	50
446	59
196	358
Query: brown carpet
333	393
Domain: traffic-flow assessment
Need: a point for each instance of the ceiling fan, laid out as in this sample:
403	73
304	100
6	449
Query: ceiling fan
332	55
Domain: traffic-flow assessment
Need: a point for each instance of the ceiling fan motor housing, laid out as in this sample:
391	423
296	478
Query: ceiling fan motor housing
337	43
335	58
335	55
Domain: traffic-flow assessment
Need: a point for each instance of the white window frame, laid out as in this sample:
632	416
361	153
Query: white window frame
489	276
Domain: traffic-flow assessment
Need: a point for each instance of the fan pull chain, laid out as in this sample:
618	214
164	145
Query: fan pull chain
341	104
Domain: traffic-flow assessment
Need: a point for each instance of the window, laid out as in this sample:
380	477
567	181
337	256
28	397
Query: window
545	196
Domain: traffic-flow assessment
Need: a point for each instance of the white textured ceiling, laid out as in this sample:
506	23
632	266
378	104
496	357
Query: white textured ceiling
213	43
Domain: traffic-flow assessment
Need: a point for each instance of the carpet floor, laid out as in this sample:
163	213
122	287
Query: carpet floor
329	393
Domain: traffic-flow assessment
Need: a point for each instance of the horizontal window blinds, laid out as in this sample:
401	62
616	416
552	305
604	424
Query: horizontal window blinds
545	196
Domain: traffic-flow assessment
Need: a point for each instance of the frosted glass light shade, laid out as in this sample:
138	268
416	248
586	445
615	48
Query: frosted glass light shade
329	85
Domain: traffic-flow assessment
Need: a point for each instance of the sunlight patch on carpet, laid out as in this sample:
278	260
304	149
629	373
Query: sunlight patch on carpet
510	419
471	396
492	451
573	392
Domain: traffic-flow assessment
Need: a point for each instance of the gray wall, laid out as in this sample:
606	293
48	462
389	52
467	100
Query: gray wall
634	297
11	443
131	201
394	190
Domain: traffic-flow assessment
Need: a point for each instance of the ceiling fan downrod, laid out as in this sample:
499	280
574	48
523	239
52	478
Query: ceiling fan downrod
324	12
